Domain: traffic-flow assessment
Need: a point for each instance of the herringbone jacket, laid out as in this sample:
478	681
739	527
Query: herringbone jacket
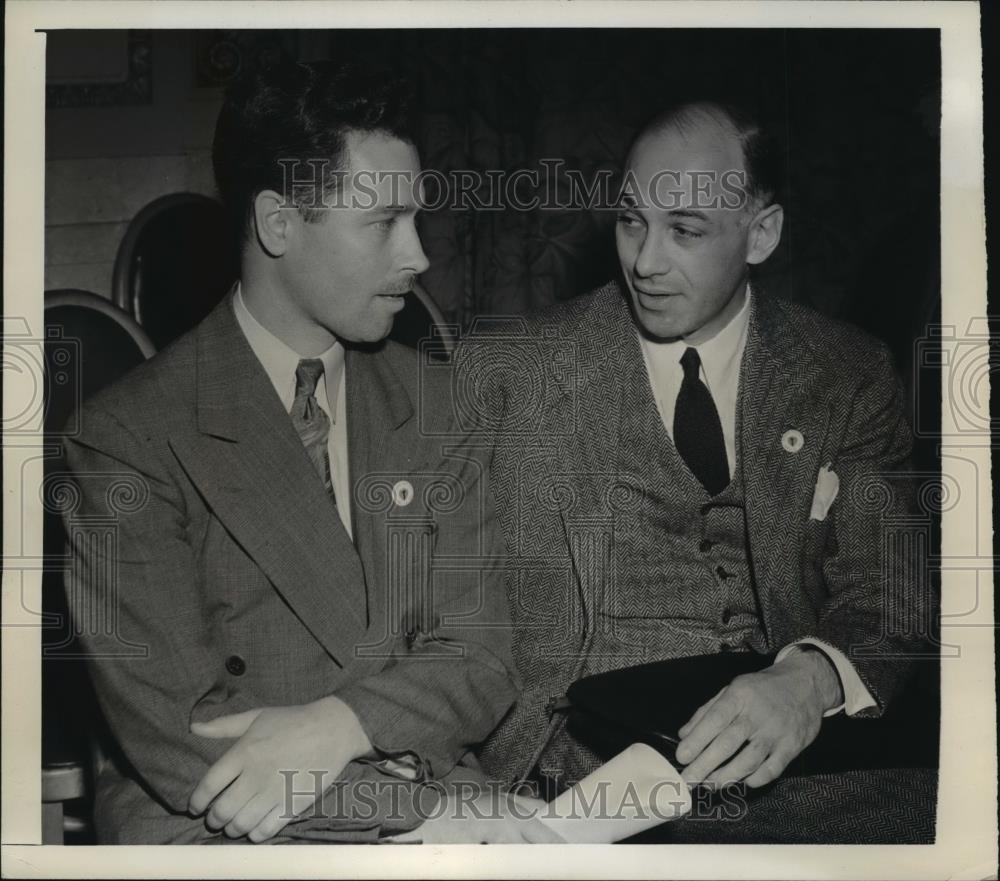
556	392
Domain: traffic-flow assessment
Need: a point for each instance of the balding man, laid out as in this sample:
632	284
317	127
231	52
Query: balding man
681	474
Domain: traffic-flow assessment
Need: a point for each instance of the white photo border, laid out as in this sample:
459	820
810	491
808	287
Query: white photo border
966	845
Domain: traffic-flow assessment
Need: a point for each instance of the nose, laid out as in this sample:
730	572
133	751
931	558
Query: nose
414	259
651	260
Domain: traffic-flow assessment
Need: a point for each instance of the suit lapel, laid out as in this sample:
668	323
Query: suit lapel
377	404
248	462
774	400
615	413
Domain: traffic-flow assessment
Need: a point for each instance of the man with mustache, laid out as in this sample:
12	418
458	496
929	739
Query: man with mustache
680	469
303	671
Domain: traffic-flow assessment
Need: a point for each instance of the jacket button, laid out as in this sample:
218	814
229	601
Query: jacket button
705	545
721	572
727	616
236	665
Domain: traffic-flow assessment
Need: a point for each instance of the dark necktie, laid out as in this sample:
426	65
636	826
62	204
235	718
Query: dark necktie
697	429
310	421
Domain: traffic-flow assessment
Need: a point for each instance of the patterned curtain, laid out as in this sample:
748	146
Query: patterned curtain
857	111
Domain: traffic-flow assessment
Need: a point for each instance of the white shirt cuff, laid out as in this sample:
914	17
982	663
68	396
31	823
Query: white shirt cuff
856	696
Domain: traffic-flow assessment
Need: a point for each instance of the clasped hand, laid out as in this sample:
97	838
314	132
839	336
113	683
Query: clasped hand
279	751
758	723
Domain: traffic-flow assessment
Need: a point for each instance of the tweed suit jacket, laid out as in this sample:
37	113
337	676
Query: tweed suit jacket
227	581
563	393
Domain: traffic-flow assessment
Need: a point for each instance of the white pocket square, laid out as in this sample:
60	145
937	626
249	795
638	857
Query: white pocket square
827	487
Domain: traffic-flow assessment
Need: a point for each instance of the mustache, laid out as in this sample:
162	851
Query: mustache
402	288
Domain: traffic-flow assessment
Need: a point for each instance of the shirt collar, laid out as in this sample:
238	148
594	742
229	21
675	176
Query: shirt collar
281	361
720	354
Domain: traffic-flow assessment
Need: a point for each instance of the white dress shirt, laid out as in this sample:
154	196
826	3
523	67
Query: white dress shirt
721	357
279	363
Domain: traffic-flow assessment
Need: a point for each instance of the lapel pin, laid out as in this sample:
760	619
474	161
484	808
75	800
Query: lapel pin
792	441
402	493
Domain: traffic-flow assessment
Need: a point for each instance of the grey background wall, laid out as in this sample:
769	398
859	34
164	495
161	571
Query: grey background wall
104	162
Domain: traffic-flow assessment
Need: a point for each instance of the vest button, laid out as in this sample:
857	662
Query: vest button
721	572
727	616
705	545
236	665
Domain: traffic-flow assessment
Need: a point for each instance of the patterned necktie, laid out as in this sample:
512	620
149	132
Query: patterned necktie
310	421
697	429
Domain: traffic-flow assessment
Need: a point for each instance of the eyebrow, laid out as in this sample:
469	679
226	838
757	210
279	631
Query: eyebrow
395	209
689	214
629	203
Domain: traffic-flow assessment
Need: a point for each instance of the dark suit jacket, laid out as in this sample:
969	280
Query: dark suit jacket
211	575
568	384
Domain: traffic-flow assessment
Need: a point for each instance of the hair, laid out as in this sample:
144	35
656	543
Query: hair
761	151
303	112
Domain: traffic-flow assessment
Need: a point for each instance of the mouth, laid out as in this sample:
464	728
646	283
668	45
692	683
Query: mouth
647	292
395	301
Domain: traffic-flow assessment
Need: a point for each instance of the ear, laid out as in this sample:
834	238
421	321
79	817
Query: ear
272	222
764	233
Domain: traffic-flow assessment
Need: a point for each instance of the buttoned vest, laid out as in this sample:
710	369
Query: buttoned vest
678	581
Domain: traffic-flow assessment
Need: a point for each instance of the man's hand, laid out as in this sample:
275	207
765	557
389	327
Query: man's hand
484	820
773	715
247	792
